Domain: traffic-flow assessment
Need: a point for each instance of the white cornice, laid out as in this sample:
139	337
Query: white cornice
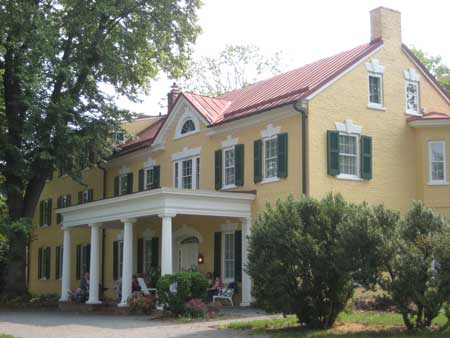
429	123
254	120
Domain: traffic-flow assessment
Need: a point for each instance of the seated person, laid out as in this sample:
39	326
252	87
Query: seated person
135	284
214	289
81	294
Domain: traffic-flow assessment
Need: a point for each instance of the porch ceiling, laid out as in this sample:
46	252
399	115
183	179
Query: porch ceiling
163	201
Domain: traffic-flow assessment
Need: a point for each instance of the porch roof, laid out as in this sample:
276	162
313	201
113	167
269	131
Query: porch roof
163	201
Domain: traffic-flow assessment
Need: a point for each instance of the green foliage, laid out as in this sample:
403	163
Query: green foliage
235	67
189	285
306	255
27	301
140	303
435	66
419	275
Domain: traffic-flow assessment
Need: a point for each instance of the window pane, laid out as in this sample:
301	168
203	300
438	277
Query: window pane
229	254
437	171
197	184
437	151
412	99
270	158
147	255
348	157
229	167
176	175
188	126
375	89
149	182
187	174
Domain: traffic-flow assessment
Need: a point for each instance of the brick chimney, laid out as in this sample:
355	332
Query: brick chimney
172	96
385	23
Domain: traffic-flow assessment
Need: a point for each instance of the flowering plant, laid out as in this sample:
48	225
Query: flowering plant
140	303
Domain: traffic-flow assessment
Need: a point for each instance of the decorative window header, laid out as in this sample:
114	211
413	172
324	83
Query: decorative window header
149	163
412	75
348	127
374	67
124	170
229	142
186	152
270	131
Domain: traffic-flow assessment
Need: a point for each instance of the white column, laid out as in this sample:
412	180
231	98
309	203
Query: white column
66	268
127	260
166	244
246	281
94	267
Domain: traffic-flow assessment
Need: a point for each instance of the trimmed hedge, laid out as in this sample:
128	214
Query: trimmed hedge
189	285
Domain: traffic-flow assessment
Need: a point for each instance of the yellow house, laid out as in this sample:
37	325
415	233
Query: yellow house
371	123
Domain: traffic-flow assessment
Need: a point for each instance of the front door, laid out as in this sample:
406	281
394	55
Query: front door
188	254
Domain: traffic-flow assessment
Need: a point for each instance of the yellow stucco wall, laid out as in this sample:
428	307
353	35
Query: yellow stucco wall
394	154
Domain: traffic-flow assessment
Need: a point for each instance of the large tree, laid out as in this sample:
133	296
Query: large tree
54	55
235	67
436	67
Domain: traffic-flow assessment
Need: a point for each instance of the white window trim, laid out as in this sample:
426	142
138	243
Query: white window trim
358	159
266	179
228	186
146	177
373	105
430	179
409	111
180	169
227	280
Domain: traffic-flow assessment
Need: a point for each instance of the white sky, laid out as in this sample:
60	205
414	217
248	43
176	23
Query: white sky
305	31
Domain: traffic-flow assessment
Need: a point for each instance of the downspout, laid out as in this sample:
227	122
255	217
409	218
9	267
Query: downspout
102	290
302	107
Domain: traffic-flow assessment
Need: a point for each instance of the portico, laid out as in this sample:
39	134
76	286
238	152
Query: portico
165	204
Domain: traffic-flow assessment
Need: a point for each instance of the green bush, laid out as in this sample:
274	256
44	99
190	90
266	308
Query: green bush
189	285
419	269
306	256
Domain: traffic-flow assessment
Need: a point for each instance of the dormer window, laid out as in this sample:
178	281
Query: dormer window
188	127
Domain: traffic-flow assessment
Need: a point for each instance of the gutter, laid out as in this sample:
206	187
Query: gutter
302	107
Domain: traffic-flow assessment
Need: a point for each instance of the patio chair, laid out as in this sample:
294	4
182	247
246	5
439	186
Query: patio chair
144	289
226	293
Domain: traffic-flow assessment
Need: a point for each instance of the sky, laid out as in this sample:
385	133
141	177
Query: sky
304	31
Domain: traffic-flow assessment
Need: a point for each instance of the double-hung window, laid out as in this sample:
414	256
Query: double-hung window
147	255
123	184
229	167
229	256
375	90
349	155
412	97
437	162
187	173
270	158
46	212
149	178
44	263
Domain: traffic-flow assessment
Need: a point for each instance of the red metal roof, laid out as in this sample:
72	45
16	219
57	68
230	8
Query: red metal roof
430	116
263	95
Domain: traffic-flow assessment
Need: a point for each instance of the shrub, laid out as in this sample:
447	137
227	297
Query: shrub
419	269
140	303
306	256
195	308
189	285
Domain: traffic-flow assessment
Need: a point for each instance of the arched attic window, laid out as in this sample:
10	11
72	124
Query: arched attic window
188	126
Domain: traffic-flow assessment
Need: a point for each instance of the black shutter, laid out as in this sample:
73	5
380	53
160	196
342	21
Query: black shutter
57	261
48	262
155	252
41	213
257	162
140	255
90	195
333	152
156	177
366	157
58	205
239	165
87	257
40	263
218	169
116	185
282	158
78	268
80	197
217	254
141	180
129	183
238	256
115	260
49	212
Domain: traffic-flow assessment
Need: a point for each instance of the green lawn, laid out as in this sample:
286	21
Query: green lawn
5	336
365	325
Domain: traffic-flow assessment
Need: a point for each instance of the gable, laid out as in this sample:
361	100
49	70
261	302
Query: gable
181	112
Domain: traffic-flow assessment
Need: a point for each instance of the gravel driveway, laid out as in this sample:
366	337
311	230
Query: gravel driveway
28	324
